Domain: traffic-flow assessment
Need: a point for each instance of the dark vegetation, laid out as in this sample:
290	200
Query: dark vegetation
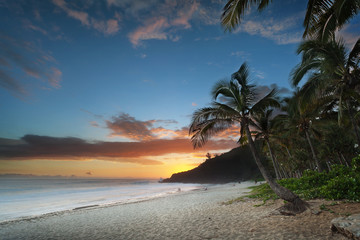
234	166
340	183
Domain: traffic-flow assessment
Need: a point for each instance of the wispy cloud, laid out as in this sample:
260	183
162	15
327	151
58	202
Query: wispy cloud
281	31
241	54
83	17
29	59
152	29
164	20
11	84
184	16
158	19
107	27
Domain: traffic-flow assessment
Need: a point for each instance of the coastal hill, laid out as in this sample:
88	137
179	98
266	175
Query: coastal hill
233	166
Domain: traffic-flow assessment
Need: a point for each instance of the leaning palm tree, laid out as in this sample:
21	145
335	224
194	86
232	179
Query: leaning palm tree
322	18
235	102
332	73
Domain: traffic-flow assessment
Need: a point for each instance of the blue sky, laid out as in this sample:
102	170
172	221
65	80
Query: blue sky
131	70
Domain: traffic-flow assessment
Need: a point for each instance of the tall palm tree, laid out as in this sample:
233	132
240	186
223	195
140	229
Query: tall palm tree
302	115
237	104
322	18
263	129
333	73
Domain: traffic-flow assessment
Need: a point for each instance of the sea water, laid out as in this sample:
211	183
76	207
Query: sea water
22	197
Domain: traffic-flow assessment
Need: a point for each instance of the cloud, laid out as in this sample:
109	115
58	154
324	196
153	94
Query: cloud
11	84
126	126
153	29
31	26
159	19
280	31
54	77
34	147
83	17
241	54
94	124
134	8
184	15
21	56
262	90
162	19
107	27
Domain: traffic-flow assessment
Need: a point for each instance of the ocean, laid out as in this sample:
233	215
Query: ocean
23	197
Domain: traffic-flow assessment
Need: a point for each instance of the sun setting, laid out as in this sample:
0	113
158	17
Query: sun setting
179	119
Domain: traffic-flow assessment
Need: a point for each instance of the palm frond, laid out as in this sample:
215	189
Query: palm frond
313	87
204	130
315	9
325	29
269	100
235	10
345	10
298	73
206	122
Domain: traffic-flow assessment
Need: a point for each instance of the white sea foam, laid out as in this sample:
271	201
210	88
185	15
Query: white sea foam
25	197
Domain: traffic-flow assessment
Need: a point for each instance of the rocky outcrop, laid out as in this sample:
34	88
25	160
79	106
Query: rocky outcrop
234	166
348	226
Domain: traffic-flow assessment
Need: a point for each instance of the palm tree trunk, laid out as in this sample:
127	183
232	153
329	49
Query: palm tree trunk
296	204
346	162
313	151
287	149
328	165
339	158
276	167
351	114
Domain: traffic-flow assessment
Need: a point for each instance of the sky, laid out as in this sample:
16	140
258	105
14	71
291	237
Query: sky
106	88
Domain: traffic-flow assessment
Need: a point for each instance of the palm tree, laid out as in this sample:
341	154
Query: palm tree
263	129
237	105
302	115
322	18
333	73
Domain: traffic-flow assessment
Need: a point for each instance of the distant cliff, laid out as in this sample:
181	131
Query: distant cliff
236	165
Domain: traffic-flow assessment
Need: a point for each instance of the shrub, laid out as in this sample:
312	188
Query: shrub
340	183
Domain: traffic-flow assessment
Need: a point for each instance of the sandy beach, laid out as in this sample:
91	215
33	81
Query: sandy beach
199	214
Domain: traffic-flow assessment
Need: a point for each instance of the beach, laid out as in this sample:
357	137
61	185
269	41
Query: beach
198	214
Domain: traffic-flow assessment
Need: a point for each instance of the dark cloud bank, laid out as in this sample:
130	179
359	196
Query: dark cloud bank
33	147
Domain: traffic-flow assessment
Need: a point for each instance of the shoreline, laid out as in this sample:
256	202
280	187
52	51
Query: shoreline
94	206
199	214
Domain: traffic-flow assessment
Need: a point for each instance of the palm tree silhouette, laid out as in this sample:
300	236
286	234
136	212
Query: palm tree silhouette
235	101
